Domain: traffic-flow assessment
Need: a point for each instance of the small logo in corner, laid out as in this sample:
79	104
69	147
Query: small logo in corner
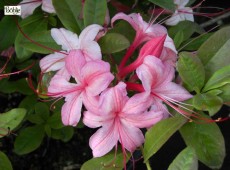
12	10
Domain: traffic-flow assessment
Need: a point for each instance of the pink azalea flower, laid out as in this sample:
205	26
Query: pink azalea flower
91	78
145	32
182	13
120	118
157	79
70	41
28	7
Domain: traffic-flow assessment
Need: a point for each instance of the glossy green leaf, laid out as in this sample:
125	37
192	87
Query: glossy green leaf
214	53
30	25
69	13
186	160
46	43
113	42
225	95
64	134
207	102
10	120
29	139
106	162
178	39
28	103
20	85
7	37
94	12
156	136
188	28
218	79
191	71
5	163
208	142
54	121
167	4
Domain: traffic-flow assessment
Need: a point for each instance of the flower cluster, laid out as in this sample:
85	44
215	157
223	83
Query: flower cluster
83	78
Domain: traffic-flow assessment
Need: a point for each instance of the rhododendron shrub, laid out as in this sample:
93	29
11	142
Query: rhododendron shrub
134	79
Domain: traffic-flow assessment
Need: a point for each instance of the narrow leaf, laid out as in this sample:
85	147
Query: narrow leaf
156	136
191	71
113	42
94	12
208	142
186	160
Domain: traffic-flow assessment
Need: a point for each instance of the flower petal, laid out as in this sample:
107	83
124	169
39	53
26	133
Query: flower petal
130	136
52	62
92	51
104	140
137	104
174	19
89	34
28	7
47	6
67	39
125	17
74	63
97	76
71	110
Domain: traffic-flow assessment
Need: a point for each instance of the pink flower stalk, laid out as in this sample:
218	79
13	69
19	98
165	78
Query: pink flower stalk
120	118
145	32
156	79
91	78
181	13
28	7
70	41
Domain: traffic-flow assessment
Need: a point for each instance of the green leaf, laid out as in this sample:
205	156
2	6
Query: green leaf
54	121
113	42
64	134
178	39
185	27
20	85
5	163
28	103
156	136
214	53
43	110
106	162
7	37
44	39
167	4
186	160
218	79
207	102
30	25
94	12
207	141
11	120
29	139
191	71
69	13
225	95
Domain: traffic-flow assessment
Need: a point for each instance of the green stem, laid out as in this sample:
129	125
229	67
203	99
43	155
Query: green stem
147	162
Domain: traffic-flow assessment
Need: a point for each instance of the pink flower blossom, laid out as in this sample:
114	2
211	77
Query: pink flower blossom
120	118
156	79
91	78
145	32
28	7
182	13
70	41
